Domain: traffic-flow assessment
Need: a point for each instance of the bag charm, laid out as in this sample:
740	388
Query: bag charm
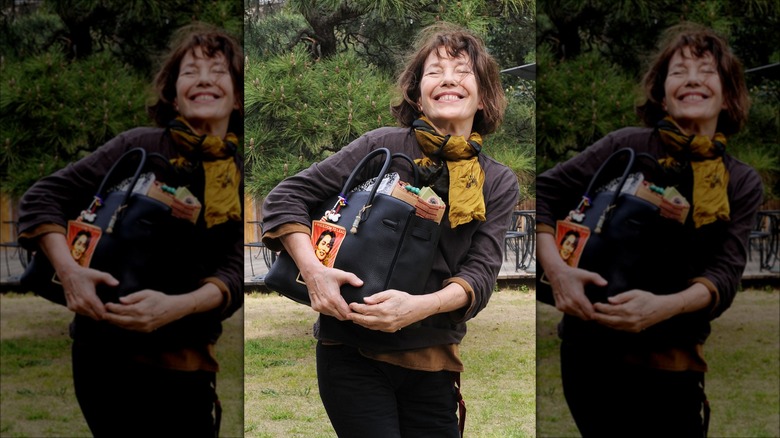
333	214
578	214
89	214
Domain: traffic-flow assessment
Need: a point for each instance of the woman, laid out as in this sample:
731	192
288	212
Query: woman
386	367
145	365
634	365
79	246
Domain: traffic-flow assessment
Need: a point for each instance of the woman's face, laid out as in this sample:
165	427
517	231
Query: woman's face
323	247
204	92
568	245
694	92
79	247
449	93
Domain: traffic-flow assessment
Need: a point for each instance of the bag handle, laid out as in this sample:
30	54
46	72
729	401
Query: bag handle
136	176
353	176
618	189
415	169
115	166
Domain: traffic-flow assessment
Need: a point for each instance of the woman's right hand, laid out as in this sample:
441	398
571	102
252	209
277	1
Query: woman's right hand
79	283
80	286
324	284
568	283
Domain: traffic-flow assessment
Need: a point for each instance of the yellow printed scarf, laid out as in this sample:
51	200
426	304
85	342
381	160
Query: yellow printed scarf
710	177
223	178
466	175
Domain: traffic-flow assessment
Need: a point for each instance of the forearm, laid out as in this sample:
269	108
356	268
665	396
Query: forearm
452	297
55	247
298	245
692	299
547	253
207	297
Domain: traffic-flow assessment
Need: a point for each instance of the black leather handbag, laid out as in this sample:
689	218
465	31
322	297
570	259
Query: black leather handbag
134	229
621	226
386	244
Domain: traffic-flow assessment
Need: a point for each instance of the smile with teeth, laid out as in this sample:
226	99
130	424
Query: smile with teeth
204	97
692	98
448	97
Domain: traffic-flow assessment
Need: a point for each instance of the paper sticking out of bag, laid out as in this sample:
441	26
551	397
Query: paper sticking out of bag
184	205
385	186
671	203
426	202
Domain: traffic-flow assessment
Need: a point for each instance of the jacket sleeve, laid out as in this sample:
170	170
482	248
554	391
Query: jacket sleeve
61	196
485	254
724	268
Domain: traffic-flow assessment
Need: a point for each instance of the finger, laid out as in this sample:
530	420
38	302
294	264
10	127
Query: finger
378	297
108	279
363	309
621	298
597	279
133	298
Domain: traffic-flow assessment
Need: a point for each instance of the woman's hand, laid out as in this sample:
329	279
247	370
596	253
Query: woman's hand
636	310
568	287
392	310
388	311
145	311
568	283
79	285
324	285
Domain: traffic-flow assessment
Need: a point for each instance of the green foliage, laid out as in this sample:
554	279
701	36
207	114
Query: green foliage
580	101
29	35
55	111
607	44
273	35
302	105
299	111
514	142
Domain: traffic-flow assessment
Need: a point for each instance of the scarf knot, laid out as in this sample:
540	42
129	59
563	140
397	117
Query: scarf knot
222	201
710	176
466	177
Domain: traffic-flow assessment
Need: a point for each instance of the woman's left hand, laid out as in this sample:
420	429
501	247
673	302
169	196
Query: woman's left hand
635	310
144	311
387	311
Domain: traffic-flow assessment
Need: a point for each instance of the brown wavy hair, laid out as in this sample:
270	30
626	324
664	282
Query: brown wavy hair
211	40
456	41
700	40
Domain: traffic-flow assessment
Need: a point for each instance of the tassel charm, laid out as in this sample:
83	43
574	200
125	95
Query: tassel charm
356	222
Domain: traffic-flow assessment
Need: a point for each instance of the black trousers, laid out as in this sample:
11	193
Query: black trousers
121	398
367	398
608	398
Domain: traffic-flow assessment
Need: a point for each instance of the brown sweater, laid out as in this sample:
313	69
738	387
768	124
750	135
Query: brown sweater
714	254
471	254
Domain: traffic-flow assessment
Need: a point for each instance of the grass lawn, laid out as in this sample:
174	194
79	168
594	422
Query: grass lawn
281	398
36	385
743	382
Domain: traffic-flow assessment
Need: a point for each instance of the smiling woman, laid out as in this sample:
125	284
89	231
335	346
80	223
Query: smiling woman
387	367
635	364
146	364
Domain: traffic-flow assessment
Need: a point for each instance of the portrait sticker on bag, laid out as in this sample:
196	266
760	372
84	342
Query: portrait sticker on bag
82	239
326	239
570	239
